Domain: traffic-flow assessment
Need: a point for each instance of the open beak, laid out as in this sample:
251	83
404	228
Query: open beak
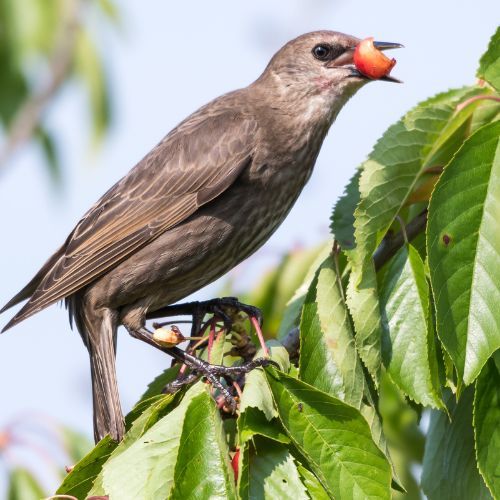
381	46
388	46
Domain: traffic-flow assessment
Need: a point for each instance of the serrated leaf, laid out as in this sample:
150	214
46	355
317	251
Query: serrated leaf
487	426
487	112
79	481
202	469
144	415
313	486
342	219
387	180
449	466
23	486
271	473
328	357
291	314
156	386
489	65
258	416
253	422
407	338
152	458
256	393
464	252
334	438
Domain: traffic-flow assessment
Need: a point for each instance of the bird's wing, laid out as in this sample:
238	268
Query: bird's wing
193	165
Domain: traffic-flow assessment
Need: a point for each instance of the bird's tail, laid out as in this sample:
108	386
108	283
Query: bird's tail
99	335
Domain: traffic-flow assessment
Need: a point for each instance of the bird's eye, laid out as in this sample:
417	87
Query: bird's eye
322	52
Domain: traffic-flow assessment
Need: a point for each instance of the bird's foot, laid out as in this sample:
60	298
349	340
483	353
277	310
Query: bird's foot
225	309
200	368
213	373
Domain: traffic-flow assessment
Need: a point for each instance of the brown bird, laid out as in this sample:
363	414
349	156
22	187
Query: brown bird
204	199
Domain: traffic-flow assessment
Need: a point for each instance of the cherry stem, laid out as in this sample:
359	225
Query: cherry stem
211	337
238	388
258	331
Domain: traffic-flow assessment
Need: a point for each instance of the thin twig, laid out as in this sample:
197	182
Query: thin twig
391	244
29	114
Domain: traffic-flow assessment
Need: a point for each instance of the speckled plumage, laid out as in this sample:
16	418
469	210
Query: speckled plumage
205	198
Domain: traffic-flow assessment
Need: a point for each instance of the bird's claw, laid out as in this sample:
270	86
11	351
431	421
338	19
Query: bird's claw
213	372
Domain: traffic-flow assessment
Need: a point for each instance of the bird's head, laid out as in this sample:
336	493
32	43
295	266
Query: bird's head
318	66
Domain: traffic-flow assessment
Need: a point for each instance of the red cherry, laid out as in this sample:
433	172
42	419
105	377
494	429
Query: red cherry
370	61
235	463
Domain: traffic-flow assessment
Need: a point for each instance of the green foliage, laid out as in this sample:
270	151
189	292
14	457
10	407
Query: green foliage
23	486
44	46
464	252
379	346
450	469
487	424
334	437
271	472
489	65
408	341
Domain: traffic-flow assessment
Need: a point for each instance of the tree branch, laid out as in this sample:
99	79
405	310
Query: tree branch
392	243
29	114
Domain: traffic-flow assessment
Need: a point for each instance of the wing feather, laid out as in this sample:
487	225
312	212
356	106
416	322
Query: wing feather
194	164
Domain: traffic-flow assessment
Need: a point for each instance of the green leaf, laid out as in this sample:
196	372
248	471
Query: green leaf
157	385
342	219
143	416
257	412
408	339
76	444
23	486
449	467
49	148
328	357
203	469
487	112
253	422
487	426
333	437
92	71
80	480
151	457
489	65
464	252
291	314
313	486
271	473
387	180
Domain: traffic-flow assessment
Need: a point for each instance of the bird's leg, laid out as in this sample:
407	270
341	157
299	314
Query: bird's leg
201	368
224	308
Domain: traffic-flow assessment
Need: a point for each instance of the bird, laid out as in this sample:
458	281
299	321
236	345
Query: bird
205	198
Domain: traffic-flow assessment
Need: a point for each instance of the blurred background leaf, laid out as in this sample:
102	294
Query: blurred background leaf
45	46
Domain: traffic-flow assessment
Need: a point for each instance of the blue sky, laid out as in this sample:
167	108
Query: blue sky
170	58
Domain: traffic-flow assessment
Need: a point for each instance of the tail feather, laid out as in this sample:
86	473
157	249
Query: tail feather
108	417
99	335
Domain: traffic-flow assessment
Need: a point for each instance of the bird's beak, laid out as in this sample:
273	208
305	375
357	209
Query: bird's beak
346	60
388	46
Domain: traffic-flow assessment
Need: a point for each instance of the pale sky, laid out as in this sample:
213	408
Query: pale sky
170	58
